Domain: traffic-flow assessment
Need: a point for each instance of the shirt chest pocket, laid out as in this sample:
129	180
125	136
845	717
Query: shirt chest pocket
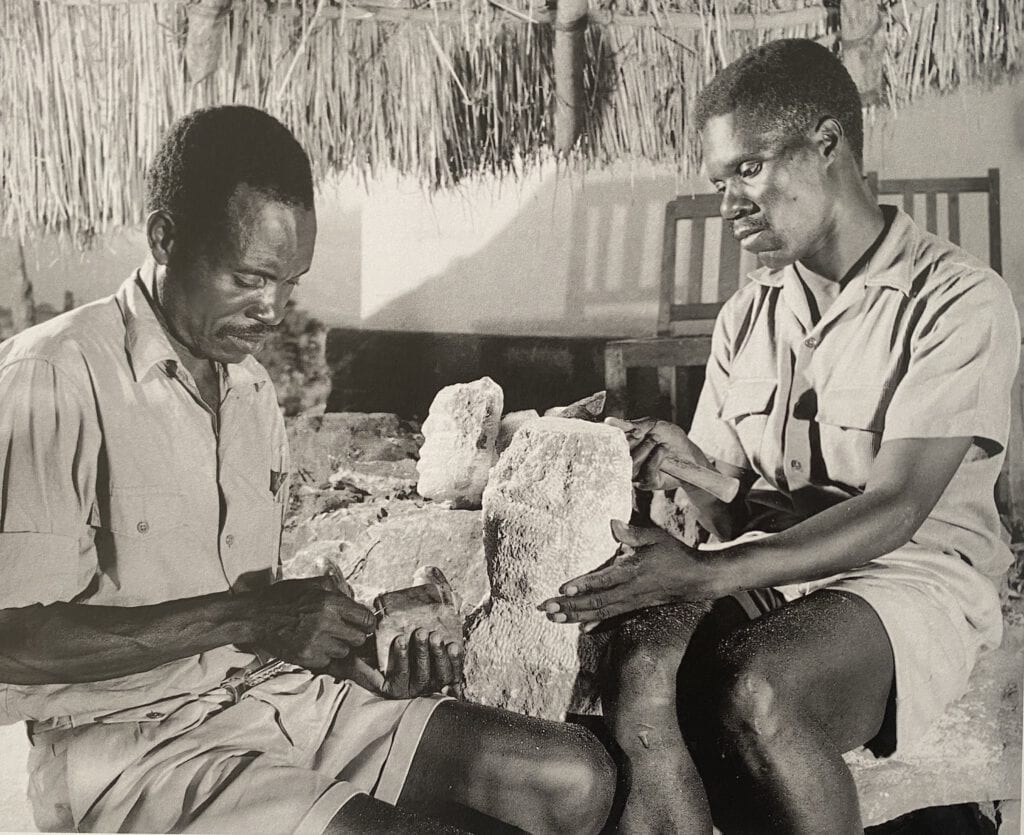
850	425
747	405
139	514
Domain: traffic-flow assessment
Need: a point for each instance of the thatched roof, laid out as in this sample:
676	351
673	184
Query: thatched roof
441	89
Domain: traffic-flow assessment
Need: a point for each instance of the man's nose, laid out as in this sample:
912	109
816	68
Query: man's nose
734	204
271	306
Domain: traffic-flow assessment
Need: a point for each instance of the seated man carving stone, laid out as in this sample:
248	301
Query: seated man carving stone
859	385
142	487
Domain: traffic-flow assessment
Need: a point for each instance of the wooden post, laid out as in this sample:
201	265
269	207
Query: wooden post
863	40
202	48
570	26
23	313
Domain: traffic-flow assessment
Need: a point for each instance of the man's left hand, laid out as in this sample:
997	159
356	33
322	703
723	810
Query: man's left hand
424	662
655	569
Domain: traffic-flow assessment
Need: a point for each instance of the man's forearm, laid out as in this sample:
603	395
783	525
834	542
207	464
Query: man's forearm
68	643
838	539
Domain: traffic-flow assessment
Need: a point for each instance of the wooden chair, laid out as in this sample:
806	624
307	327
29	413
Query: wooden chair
687	313
687	309
952	188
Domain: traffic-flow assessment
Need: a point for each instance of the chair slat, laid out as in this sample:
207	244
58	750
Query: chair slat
953	210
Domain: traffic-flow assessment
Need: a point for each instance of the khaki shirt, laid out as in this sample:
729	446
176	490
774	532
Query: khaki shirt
121	487
922	343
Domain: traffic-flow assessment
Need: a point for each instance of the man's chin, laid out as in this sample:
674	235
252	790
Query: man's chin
231	349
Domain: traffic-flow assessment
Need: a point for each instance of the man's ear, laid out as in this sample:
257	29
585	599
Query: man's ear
829	136
162	235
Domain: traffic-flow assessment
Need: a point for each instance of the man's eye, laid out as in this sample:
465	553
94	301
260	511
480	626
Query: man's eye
750	169
251	282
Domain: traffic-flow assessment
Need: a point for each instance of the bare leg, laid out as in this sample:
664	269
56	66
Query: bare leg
792	691
639	701
493	771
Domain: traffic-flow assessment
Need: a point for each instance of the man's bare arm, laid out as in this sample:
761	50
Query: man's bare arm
306	622
907	479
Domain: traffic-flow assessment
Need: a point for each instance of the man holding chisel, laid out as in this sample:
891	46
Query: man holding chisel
858	389
167	682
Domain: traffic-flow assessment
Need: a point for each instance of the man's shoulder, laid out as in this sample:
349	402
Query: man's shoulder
941	271
70	339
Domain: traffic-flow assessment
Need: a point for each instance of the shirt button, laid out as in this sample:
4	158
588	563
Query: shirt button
796	465
142	527
229	539
811	342
154	715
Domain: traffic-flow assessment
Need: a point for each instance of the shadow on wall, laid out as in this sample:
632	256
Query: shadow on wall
576	259
572	268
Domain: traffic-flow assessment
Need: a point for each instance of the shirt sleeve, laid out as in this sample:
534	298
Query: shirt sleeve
961	368
717	438
48	454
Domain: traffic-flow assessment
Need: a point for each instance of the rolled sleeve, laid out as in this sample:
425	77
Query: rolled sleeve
961	371
716	437
47	472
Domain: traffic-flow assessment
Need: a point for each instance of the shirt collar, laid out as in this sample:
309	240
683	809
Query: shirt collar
890	265
147	342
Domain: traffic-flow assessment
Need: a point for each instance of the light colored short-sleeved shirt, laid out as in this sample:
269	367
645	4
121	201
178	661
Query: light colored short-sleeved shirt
923	342
120	487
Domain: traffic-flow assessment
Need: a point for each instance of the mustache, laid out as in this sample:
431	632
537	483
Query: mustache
255	331
745	227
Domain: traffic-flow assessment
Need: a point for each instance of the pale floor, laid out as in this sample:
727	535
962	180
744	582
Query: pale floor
14	812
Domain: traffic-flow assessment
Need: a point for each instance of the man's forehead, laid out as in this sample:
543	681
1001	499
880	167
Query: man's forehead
730	138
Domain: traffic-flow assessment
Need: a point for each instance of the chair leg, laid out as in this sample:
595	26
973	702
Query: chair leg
615	381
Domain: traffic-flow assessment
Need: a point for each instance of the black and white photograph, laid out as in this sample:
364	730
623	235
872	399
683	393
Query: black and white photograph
554	417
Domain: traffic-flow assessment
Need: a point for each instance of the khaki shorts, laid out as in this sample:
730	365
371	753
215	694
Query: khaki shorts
284	758
940	614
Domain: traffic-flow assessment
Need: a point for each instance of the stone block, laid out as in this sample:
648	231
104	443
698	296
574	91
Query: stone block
973	753
510	423
320	444
380	547
459	442
547	513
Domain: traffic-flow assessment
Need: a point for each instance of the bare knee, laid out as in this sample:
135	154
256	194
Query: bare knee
577	782
749	700
644	656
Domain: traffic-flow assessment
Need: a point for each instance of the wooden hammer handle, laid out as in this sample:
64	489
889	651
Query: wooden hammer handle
722	487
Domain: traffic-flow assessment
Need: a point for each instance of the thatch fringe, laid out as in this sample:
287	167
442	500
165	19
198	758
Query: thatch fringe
940	44
88	87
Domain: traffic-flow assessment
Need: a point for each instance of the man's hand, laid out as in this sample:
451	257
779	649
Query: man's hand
425	662
650	441
655	569
309	622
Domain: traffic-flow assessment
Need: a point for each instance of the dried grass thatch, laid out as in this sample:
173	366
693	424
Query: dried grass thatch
442	91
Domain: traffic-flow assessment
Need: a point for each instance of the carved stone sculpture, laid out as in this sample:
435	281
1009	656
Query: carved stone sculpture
459	442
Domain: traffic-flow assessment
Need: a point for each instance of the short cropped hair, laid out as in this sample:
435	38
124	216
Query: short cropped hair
209	153
785	87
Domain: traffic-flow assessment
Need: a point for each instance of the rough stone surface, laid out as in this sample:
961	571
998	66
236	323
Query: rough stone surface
320	444
510	423
459	442
972	754
547	510
379	547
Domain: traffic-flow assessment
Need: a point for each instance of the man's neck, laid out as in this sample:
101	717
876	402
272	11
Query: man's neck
856	226
203	371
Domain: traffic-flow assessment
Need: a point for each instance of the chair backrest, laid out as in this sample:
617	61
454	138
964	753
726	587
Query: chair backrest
952	188
694	287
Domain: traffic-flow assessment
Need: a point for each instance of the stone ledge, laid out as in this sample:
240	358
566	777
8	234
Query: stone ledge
973	753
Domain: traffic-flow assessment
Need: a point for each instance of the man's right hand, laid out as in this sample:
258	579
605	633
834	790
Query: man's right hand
650	442
309	622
